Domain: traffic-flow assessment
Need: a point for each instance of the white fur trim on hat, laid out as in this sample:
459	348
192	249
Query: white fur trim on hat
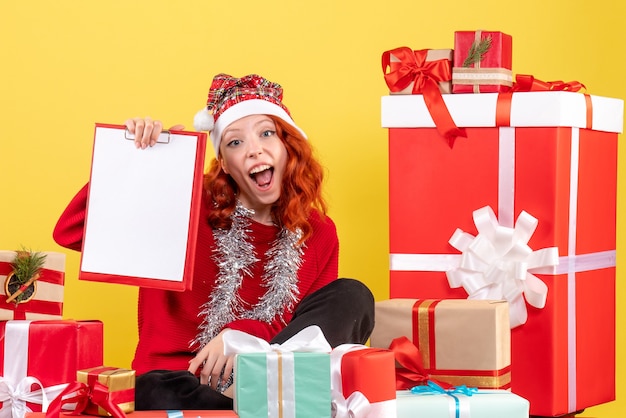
203	120
243	109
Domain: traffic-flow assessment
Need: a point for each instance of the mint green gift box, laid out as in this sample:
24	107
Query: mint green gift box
300	390
482	404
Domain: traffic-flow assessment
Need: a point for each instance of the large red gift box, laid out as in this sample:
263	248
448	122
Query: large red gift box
490	74
35	354
47	302
555	159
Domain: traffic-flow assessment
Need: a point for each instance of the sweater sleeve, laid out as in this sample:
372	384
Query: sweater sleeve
69	229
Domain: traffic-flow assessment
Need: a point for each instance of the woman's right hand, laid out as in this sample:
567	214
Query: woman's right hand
215	367
147	131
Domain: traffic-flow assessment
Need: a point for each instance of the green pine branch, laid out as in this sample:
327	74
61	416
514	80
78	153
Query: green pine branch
26	264
477	51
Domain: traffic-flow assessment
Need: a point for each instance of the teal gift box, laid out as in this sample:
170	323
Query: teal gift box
277	384
290	380
485	403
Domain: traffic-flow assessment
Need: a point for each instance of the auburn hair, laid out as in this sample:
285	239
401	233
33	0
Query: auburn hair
301	189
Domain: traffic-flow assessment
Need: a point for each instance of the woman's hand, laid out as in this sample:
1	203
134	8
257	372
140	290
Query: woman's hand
215	365
147	131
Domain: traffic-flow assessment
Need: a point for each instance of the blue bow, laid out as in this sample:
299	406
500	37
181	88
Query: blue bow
432	388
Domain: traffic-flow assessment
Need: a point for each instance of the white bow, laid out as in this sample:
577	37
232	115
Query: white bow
14	398
310	340
498	263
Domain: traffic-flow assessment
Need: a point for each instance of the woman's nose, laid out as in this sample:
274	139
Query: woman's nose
254	147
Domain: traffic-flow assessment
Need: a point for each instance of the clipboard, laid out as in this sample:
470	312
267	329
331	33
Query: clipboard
143	209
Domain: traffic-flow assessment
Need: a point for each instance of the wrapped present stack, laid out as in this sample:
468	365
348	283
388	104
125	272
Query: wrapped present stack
40	353
505	189
305	378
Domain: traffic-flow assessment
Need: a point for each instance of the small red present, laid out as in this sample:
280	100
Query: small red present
362	382
39	358
44	296
482	62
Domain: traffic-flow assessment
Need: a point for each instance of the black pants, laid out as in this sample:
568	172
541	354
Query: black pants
344	310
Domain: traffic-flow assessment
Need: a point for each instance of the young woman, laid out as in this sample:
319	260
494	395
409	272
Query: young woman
267	254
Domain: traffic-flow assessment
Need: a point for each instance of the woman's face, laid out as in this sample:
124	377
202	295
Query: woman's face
255	157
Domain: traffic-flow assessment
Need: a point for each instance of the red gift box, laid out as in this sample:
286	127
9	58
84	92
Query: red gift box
46	354
557	161
47	302
490	74
363	381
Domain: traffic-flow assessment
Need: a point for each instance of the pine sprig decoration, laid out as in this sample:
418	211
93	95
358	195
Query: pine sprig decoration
477	51
26	264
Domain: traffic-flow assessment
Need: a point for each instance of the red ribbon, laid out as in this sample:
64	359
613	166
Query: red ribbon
412	372
526	83
83	395
34	305
426	75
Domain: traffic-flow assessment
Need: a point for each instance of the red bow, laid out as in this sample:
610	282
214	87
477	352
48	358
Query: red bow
412	372
525	82
83	395
413	67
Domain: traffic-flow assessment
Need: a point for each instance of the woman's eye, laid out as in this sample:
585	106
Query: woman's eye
233	143
268	133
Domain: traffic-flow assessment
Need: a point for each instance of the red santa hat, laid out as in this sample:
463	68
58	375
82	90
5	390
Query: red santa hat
233	98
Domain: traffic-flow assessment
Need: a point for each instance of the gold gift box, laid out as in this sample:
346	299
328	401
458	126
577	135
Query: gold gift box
461	342
120	384
445	86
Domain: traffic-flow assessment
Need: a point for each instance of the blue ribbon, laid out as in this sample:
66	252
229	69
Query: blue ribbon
432	388
174	414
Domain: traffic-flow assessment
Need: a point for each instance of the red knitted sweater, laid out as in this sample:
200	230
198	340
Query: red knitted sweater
168	321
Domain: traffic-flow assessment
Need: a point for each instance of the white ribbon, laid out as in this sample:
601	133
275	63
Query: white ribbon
356	405
498	263
15	385
308	340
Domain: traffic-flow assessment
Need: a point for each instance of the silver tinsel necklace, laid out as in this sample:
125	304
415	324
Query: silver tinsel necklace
234	255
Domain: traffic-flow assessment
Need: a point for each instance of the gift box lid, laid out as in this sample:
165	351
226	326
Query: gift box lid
528	109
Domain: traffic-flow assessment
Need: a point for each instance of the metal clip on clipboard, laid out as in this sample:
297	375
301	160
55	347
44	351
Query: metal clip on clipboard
164	137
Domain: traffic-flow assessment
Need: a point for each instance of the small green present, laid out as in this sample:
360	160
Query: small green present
288	380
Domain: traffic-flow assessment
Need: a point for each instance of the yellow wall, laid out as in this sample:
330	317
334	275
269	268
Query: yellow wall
65	65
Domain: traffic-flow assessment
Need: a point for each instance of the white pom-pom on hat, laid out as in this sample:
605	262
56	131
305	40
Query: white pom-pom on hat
203	120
